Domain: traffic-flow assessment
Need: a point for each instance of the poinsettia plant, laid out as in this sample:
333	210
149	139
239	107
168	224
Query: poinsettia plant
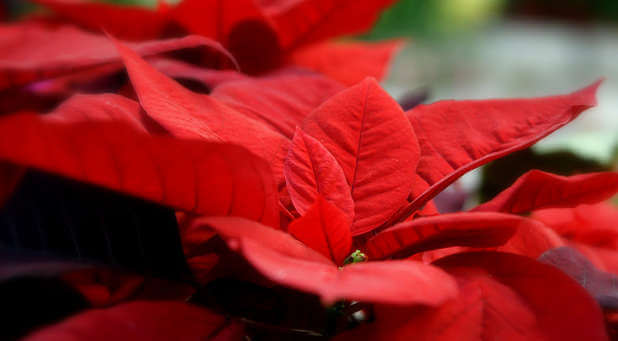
303	203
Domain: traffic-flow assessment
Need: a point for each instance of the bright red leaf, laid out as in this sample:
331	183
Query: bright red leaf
458	136
368	134
311	171
502	297
326	229
280	101
281	258
537	190
348	62
300	22
189	115
136	321
206	178
455	229
30	51
126	22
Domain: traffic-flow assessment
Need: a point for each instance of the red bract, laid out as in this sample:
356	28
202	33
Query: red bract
261	35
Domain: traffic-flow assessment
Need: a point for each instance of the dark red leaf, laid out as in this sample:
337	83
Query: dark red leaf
311	172
349	63
537	190
161	320
280	101
300	22
455	229
367	133
30	51
286	261
502	297
189	115
326	229
10	175
124	22
458	136
206	178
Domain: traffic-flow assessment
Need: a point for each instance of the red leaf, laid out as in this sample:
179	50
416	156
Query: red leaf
326	229
458	136
455	229
537	190
188	115
125	22
594	225
502	297
311	172
206	178
281	258
300	22
280	101
30	52
366	131
532	240
208	77
348	63
136	321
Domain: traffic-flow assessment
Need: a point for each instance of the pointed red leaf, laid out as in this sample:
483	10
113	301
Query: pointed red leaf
347	62
281	258
279	101
206	178
311	172
125	22
326	229
366	131
30	52
300	22
502	297
189	115
537	190
163	320
458	136
455	229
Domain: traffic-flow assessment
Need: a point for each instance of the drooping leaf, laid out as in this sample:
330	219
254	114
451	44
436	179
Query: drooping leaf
195	176
124	22
312	172
349	62
307	21
279	101
502	297
455	229
30	51
457	136
188	115
163	320
601	285
281	258
324	228
537	190
367	133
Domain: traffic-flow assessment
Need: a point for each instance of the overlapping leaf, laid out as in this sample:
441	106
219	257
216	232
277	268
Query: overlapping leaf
188	115
457	136
455	229
207	178
281	258
537	190
30	51
348	62
312	172
326	229
502	297
366	131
